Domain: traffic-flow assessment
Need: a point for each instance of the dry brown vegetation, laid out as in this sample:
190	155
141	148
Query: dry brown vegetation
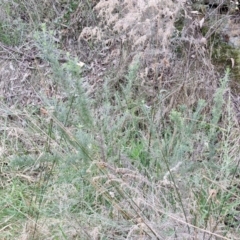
118	120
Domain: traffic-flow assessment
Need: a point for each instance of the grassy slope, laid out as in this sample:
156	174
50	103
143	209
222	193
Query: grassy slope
128	146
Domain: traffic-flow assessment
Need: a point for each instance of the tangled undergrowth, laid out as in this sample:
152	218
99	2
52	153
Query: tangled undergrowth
115	122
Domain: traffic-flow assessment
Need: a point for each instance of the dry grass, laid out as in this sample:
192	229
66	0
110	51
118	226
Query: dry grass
146	31
115	124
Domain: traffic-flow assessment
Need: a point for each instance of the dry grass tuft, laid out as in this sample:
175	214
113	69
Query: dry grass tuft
146	30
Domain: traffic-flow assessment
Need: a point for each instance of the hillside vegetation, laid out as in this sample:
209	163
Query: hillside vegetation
119	120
